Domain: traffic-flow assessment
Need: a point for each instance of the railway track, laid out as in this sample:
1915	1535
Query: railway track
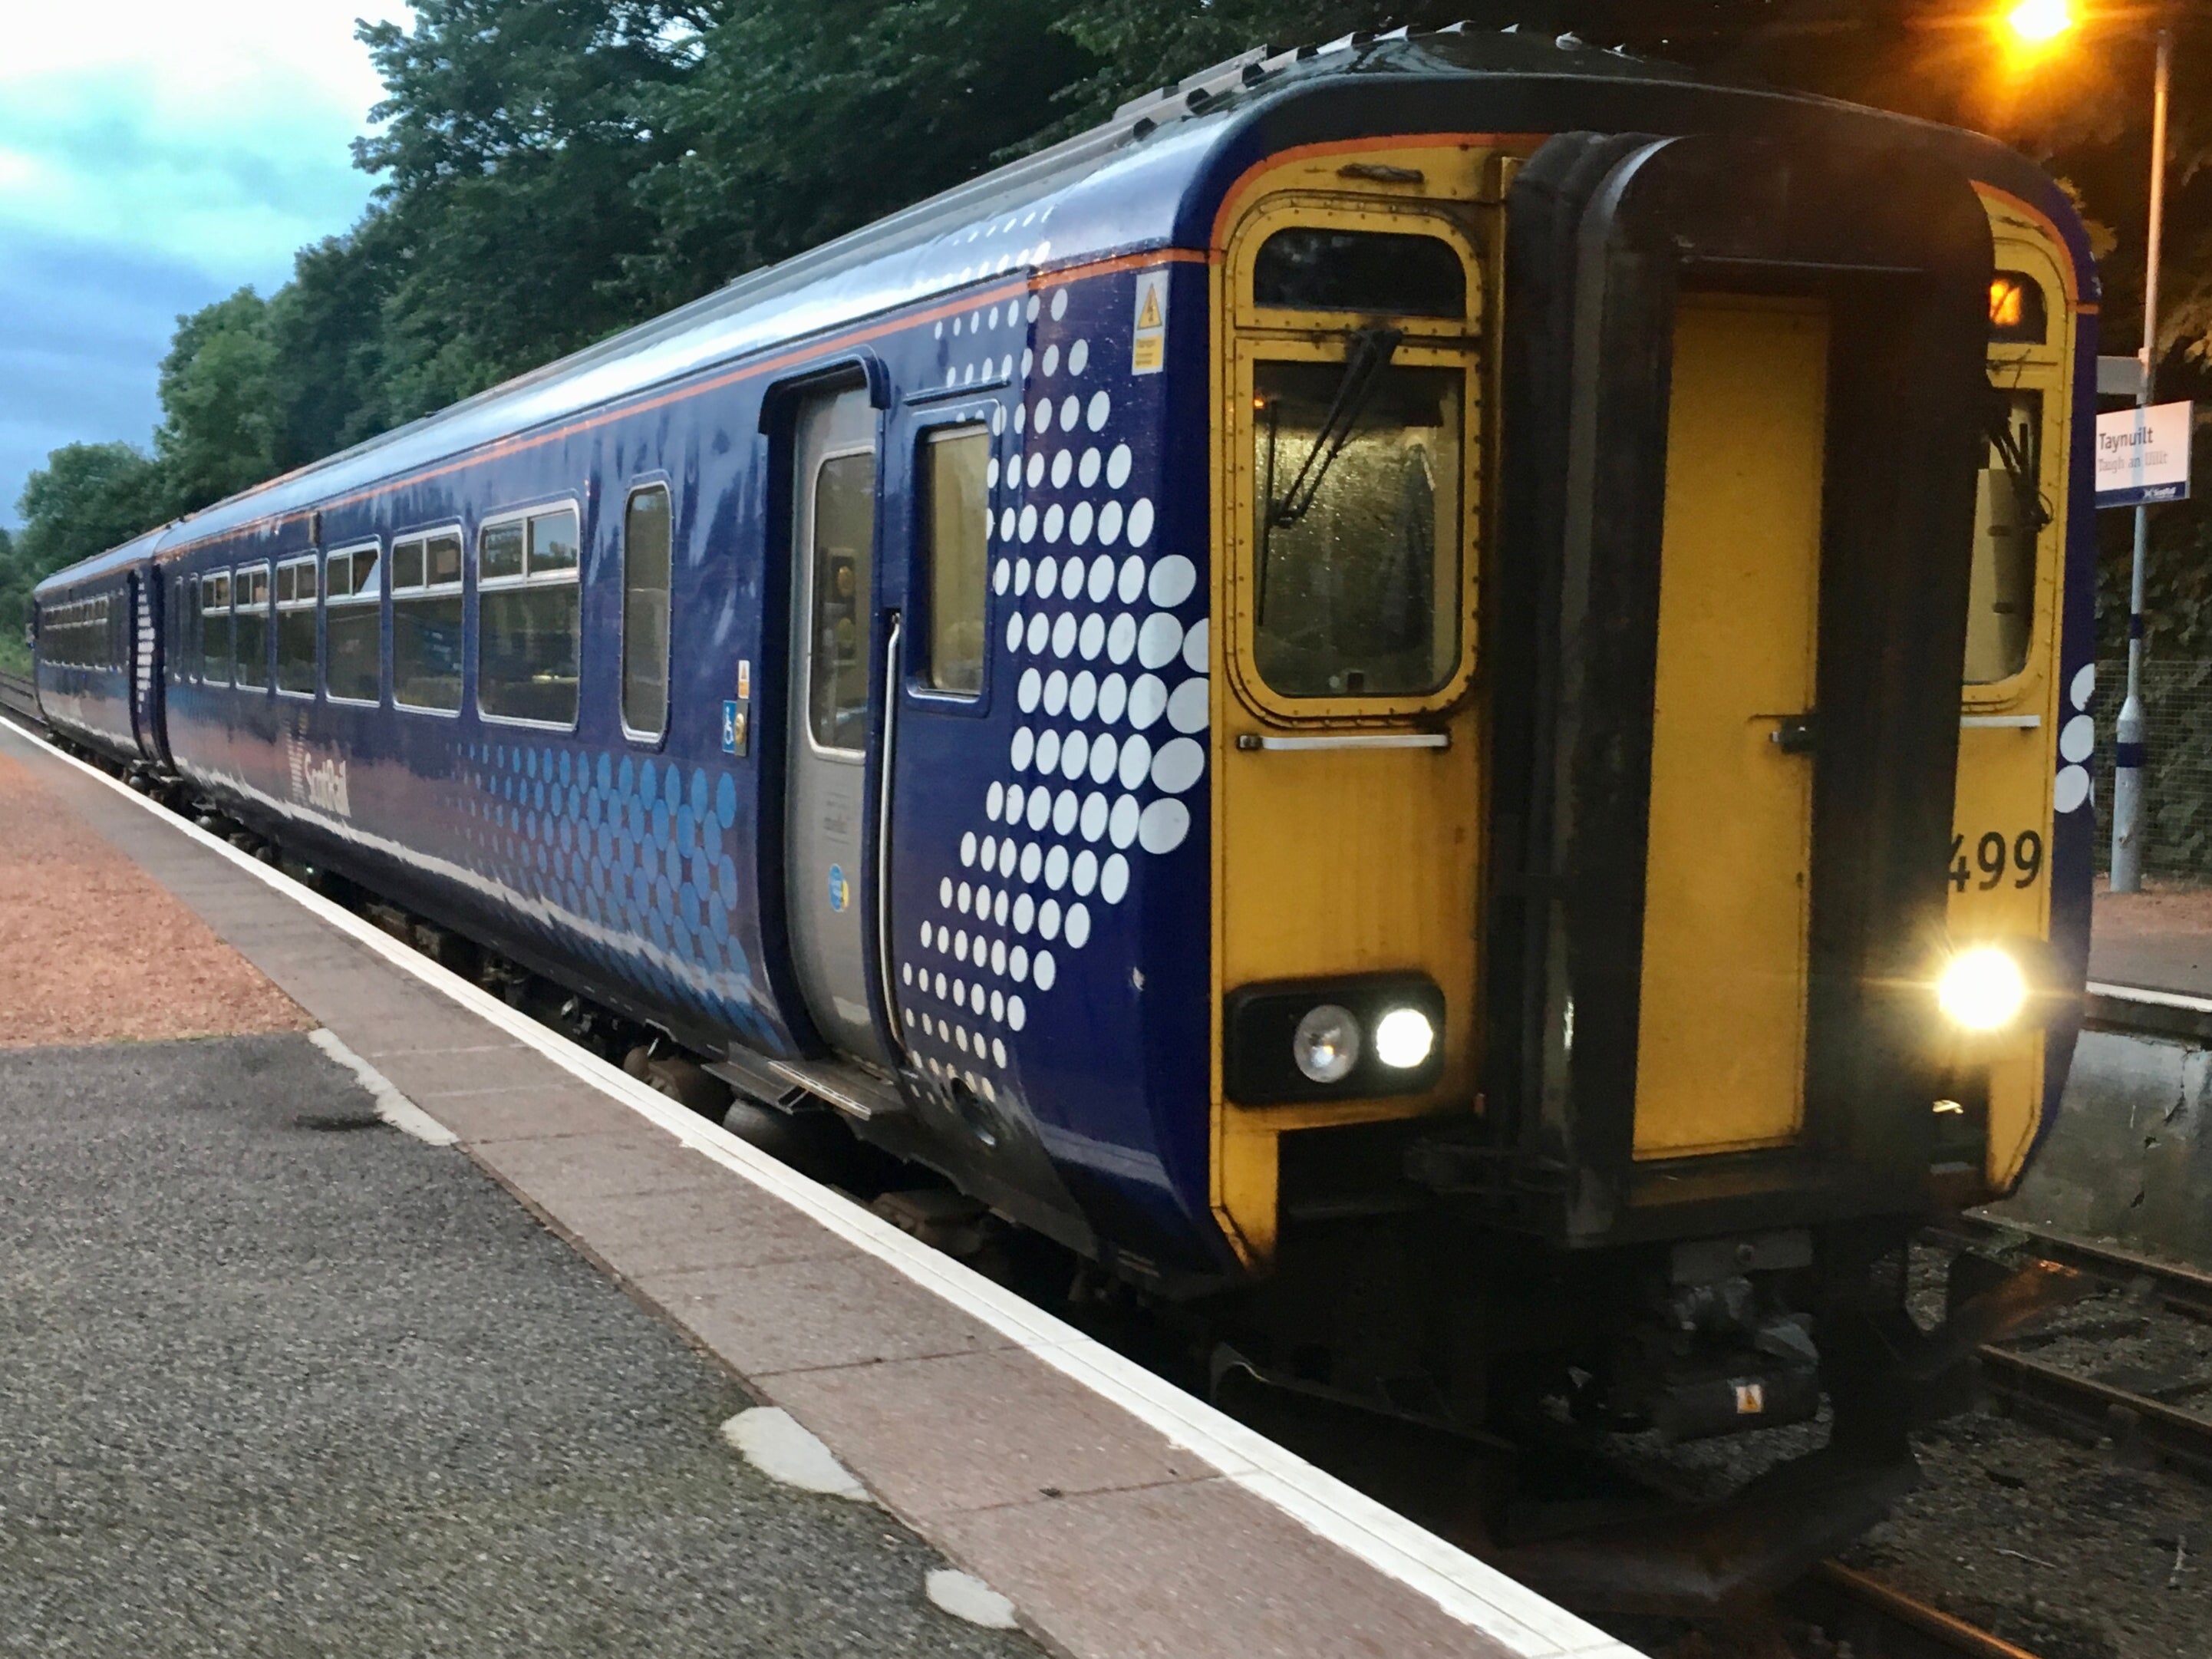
2090	1408
1880	1621
18	697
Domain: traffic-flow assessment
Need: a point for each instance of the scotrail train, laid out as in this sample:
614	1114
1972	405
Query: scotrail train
1430	693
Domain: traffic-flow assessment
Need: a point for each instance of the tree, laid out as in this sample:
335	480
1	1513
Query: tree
87	499
218	392
513	143
797	123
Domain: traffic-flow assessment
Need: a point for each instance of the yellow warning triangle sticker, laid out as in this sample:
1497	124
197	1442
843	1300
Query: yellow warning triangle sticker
1148	314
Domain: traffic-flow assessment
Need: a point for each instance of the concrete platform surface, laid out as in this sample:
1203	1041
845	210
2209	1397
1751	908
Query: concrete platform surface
1122	1516
276	1378
2160	939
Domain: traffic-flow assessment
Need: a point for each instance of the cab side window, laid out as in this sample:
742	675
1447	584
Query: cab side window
956	530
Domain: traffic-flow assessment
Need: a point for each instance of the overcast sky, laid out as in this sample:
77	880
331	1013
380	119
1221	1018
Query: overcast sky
156	154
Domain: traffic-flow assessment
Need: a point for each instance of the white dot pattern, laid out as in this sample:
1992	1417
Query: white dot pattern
1103	653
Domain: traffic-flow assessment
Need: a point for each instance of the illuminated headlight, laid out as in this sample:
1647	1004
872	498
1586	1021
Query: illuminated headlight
1404	1038
1326	1045
1351	1036
1982	989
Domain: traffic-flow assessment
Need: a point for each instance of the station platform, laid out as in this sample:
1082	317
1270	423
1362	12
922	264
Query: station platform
2159	939
281	1378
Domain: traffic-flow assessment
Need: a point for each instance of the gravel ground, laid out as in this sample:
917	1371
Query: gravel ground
97	950
2072	1552
268	1388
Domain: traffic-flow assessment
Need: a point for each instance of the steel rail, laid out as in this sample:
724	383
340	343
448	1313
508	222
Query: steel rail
2179	1437
2187	1291
1943	1630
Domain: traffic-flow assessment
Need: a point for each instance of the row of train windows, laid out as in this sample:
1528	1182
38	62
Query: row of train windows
83	634
529	620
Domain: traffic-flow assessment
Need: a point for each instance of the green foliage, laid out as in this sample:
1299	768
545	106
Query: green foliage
15	581
221	435
794	124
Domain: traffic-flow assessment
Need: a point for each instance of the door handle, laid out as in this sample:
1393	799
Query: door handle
1797	734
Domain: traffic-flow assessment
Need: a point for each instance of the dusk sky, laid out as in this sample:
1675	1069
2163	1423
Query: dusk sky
154	157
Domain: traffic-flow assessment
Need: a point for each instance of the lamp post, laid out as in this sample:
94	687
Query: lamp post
2035	24
2128	732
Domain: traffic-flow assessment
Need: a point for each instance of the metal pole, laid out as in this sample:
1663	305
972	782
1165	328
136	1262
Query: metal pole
2128	734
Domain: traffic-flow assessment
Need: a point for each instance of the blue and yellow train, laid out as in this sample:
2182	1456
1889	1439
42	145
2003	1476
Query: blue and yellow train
1620	864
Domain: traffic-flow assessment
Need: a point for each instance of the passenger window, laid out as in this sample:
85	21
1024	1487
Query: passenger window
957	509
527	619
647	550
295	627
425	623
1373	273
215	628
842	576
352	626
2009	515
1358	535
250	620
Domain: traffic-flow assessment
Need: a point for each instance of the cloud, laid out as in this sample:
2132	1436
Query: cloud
148	165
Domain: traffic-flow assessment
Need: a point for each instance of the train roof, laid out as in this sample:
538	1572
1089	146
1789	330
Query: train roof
1132	183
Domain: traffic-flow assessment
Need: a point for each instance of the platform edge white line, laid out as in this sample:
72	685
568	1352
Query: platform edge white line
1464	1587
2156	999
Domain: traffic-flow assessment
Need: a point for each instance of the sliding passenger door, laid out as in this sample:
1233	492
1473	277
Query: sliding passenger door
826	803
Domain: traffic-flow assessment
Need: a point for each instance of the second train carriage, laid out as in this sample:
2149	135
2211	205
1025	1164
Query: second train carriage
1352	683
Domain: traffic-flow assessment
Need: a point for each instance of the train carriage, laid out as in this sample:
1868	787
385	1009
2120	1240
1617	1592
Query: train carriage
1434	687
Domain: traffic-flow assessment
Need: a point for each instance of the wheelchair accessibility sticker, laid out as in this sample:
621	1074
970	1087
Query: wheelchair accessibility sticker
841	891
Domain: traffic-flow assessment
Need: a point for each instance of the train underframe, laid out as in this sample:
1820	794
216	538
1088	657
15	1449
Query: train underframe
1580	1372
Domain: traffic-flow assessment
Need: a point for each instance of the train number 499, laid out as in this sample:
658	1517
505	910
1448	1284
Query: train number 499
1995	858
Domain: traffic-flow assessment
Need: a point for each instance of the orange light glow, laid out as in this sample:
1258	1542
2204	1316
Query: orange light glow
2006	302
2039	23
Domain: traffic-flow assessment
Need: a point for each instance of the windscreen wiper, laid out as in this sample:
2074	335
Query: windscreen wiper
1369	355
2011	445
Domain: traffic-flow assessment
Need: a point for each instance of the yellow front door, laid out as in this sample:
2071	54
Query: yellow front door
1721	1046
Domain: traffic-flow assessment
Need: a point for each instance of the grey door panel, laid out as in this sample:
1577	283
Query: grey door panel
826	801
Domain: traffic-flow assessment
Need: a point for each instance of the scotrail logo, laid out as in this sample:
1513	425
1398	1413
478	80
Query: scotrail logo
318	783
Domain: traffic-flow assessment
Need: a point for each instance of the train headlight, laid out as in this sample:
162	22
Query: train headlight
1982	989
1326	1045
1350	1036
1404	1038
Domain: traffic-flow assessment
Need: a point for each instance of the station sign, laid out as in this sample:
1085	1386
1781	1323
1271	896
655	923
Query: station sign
2142	454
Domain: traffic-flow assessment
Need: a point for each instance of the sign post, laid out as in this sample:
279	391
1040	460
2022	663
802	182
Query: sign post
2142	456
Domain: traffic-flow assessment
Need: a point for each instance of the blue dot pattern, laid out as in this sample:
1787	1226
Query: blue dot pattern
1101	635
629	861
